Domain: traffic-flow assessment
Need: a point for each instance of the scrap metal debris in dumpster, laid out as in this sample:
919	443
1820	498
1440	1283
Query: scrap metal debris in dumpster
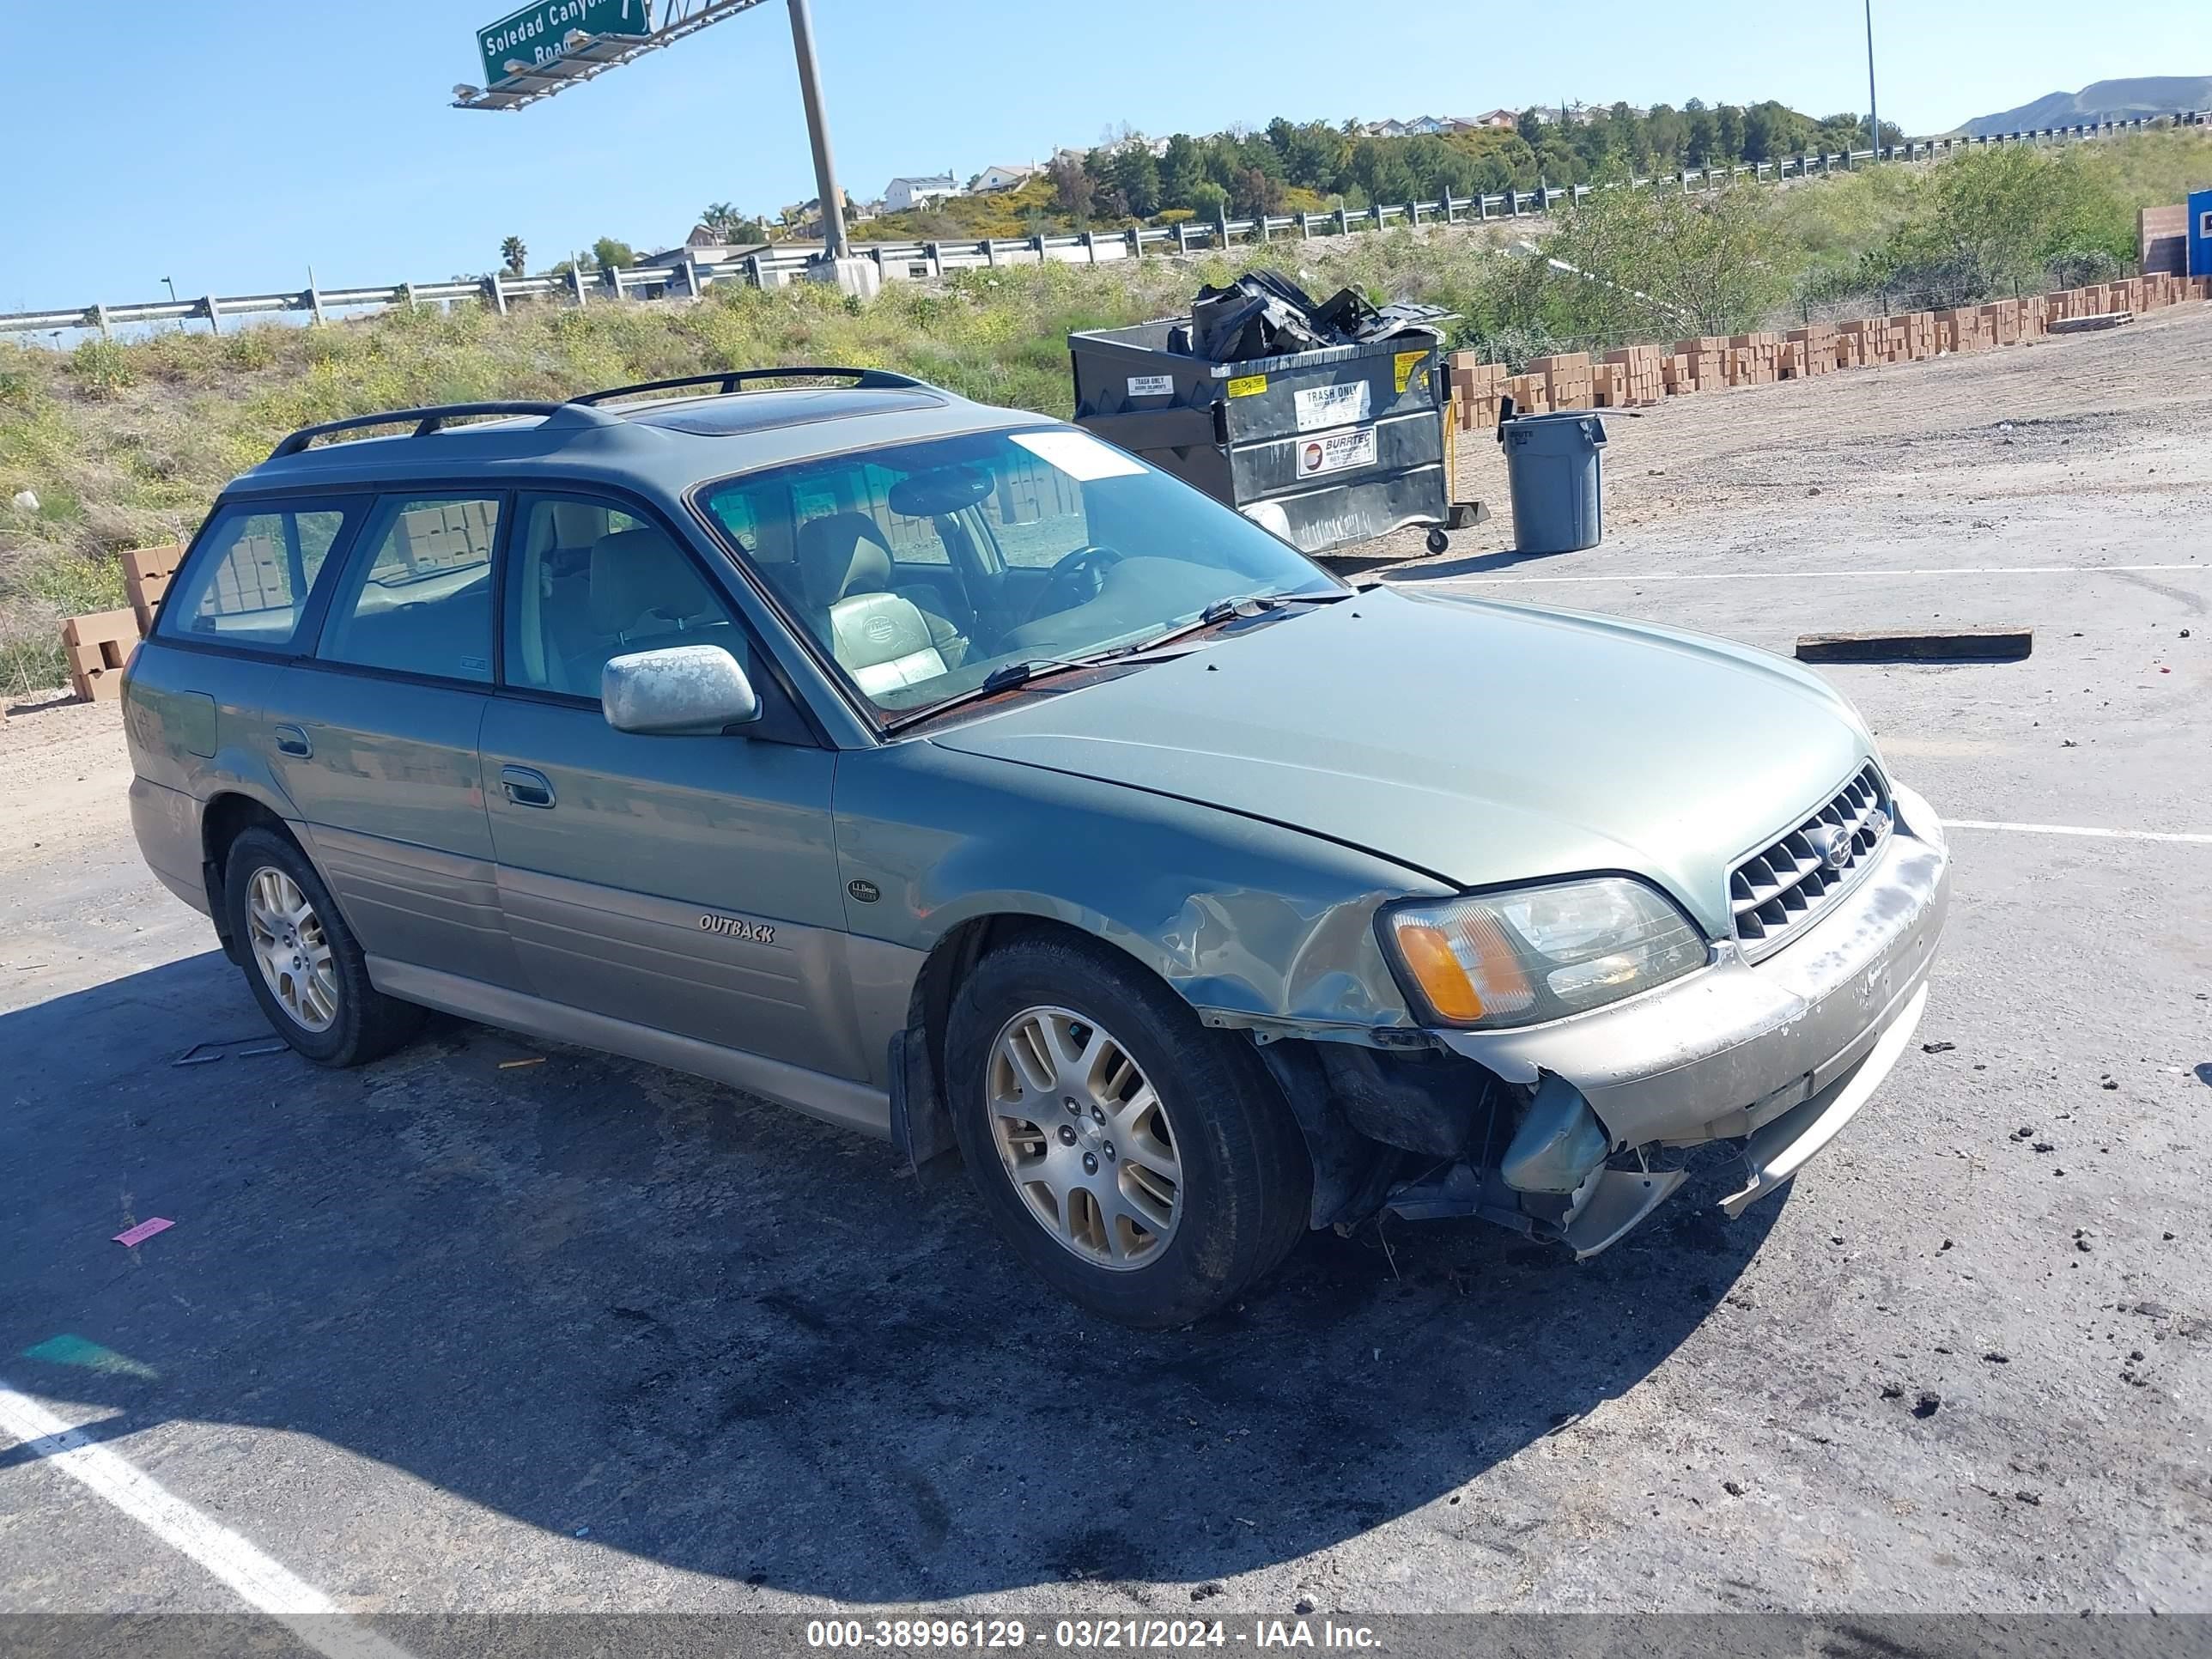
1263	314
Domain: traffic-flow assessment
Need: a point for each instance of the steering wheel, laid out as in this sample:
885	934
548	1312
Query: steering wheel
1080	574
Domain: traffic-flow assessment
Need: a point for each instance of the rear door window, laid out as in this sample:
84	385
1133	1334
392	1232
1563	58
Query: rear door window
251	573
588	580
417	596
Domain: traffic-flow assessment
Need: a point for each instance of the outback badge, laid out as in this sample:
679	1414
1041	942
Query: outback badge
752	933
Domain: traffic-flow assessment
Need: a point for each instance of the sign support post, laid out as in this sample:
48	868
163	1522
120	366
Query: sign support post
825	165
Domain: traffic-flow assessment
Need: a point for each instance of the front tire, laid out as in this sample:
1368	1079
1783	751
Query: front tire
1142	1165
300	960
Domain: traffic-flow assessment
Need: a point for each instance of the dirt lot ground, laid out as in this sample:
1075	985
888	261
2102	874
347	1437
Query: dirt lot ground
440	1336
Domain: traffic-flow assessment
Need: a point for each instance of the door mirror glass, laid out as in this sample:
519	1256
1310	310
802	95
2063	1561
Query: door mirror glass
678	691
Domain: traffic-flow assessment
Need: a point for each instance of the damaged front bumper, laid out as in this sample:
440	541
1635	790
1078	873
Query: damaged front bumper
1780	1053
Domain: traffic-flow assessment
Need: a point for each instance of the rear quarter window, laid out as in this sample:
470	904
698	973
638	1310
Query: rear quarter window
250	577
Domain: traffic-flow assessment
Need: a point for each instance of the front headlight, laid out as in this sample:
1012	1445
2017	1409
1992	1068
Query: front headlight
1537	953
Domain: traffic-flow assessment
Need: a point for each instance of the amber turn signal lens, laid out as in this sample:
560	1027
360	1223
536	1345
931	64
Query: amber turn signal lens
1434	967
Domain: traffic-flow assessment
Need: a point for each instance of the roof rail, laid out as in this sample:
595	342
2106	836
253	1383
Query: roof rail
730	380
432	419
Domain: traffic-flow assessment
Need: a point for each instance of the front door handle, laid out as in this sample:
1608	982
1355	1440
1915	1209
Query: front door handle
525	786
292	740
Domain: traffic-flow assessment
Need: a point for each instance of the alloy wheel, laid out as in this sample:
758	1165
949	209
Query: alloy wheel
1084	1137
291	949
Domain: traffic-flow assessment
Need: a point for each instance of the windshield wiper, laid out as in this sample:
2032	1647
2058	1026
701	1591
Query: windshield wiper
1246	604
1006	676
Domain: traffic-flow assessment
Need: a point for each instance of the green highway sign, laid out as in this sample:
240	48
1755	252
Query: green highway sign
539	33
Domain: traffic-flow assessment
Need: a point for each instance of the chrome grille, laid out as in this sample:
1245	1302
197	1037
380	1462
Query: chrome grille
1778	892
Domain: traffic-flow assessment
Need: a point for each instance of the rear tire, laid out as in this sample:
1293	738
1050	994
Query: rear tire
1142	1165
300	960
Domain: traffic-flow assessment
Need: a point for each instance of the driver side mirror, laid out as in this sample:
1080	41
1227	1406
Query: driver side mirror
680	690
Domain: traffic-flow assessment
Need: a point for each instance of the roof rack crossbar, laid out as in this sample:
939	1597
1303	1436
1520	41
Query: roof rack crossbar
430	420
729	380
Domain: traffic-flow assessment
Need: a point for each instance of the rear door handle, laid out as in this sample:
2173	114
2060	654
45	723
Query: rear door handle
291	740
525	786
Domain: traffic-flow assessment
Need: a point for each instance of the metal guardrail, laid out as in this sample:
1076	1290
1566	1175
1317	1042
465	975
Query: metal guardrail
920	259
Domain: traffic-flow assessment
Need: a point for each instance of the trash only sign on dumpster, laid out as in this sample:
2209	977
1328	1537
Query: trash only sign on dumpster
1321	420
1334	406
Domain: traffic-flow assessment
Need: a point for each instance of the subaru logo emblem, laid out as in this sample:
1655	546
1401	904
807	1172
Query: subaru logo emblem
1830	846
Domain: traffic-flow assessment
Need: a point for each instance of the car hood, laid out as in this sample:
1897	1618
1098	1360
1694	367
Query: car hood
1478	741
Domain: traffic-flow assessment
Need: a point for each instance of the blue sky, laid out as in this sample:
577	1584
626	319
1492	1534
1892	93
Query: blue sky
231	145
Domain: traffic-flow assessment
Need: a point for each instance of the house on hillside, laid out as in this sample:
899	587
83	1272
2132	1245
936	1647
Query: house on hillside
1498	118
905	193
1422	126
1002	175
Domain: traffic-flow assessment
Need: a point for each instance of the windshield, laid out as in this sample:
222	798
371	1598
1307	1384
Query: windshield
920	568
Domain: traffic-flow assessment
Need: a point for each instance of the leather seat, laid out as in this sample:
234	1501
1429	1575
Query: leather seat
881	638
644	593
842	554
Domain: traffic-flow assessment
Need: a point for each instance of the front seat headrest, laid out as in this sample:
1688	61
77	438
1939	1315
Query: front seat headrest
841	553
637	575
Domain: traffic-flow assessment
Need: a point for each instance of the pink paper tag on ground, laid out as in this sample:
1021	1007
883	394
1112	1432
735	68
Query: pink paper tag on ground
144	1230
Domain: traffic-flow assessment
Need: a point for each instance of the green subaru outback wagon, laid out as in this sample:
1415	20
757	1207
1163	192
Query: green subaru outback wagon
945	773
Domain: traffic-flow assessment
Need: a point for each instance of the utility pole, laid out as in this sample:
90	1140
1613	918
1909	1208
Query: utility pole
1873	113
825	168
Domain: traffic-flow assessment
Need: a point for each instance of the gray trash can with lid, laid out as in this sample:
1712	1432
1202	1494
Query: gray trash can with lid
1555	464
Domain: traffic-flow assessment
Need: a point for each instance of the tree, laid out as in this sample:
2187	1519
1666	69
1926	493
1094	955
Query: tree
1072	188
1990	222
612	252
1312	153
1255	193
1728	133
514	256
730	226
1530	126
1657	265
1701	141
1181	171
1136	175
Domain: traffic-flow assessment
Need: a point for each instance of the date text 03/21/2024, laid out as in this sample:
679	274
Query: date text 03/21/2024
1130	1635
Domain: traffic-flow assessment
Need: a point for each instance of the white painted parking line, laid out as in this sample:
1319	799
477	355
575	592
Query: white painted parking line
1803	575
2076	830
264	1584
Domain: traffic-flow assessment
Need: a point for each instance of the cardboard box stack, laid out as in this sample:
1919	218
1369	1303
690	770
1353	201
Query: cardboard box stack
1630	378
1753	359
98	644
1529	393
1566	377
1706	356
1476	387
146	573
1965	323
1815	353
